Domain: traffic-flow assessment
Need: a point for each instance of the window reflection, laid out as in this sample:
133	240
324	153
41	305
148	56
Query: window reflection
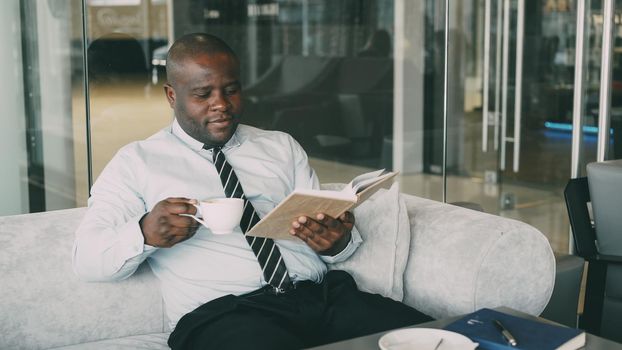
301	70
39	159
359	83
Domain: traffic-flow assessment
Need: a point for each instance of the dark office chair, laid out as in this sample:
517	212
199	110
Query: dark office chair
116	58
599	245
289	84
359	97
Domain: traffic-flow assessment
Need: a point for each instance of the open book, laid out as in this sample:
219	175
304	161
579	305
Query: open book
304	202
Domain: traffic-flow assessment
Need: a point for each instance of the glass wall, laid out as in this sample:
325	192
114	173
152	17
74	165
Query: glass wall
126	95
43	147
320	70
511	74
594	77
517	69
359	83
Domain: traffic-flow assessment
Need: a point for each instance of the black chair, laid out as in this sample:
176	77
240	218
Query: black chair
564	303
359	95
602	312
291	83
116	58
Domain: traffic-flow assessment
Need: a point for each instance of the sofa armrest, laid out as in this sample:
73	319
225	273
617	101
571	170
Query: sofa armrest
462	260
45	305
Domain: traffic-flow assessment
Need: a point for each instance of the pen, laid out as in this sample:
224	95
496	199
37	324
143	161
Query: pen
506	334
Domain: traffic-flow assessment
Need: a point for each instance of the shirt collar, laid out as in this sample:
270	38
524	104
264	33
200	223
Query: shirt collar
196	144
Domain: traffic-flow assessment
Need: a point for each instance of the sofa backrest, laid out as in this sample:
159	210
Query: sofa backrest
43	302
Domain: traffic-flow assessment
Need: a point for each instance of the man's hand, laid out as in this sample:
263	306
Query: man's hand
164	227
324	234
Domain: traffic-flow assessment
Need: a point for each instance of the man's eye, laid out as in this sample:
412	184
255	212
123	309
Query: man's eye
231	91
205	95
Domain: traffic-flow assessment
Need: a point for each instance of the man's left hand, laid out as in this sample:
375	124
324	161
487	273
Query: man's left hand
324	234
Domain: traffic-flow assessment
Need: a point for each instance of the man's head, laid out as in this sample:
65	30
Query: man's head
203	87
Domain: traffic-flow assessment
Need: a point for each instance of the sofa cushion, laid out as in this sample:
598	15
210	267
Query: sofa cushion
379	262
155	341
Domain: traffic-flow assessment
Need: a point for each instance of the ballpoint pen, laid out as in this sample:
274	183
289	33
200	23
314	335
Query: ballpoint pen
506	334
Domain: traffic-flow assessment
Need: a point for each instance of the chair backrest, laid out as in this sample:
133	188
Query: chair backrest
577	196
116	57
300	73
360	75
599	245
605	182
293	74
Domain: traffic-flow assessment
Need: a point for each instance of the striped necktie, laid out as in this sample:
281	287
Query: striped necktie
268	253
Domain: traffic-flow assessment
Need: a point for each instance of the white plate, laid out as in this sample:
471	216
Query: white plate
425	339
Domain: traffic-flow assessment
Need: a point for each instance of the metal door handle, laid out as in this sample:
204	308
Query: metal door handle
504	80
515	139
520	33
486	75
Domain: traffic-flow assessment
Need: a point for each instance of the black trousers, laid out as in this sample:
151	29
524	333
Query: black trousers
310	315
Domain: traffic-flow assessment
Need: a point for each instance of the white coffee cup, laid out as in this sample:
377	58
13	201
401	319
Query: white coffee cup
220	215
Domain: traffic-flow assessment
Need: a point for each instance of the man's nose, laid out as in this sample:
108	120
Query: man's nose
219	103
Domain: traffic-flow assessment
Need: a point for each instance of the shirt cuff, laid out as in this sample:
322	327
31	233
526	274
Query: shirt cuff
355	241
131	240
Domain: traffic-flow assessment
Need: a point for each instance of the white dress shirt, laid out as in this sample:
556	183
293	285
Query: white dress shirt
109	243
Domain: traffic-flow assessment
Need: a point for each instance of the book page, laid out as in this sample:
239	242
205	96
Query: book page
369	189
363	185
345	195
364	179
277	223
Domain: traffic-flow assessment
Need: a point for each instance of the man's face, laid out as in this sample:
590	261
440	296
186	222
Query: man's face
206	97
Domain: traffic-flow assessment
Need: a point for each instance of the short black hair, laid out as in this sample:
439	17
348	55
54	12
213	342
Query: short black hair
191	45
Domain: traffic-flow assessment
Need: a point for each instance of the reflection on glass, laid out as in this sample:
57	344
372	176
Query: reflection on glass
594	77
319	70
44	72
358	83
528	188
126	96
534	192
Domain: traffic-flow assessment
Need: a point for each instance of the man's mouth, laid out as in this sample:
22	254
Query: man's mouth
221	121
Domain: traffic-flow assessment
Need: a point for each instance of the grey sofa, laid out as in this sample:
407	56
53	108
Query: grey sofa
443	259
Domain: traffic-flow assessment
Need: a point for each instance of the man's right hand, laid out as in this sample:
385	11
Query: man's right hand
164	227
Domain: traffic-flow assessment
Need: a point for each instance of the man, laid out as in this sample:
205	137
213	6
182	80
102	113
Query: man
225	291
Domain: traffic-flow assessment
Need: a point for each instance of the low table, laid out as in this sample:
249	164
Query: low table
370	342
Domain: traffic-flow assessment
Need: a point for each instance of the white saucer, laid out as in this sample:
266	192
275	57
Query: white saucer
425	339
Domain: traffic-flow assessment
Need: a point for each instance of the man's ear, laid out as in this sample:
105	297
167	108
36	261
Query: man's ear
170	94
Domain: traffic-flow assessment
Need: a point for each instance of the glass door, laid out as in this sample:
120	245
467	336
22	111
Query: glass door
513	86
512	140
603	81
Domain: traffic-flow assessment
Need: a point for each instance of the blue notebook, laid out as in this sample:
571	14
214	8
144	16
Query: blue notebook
529	334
